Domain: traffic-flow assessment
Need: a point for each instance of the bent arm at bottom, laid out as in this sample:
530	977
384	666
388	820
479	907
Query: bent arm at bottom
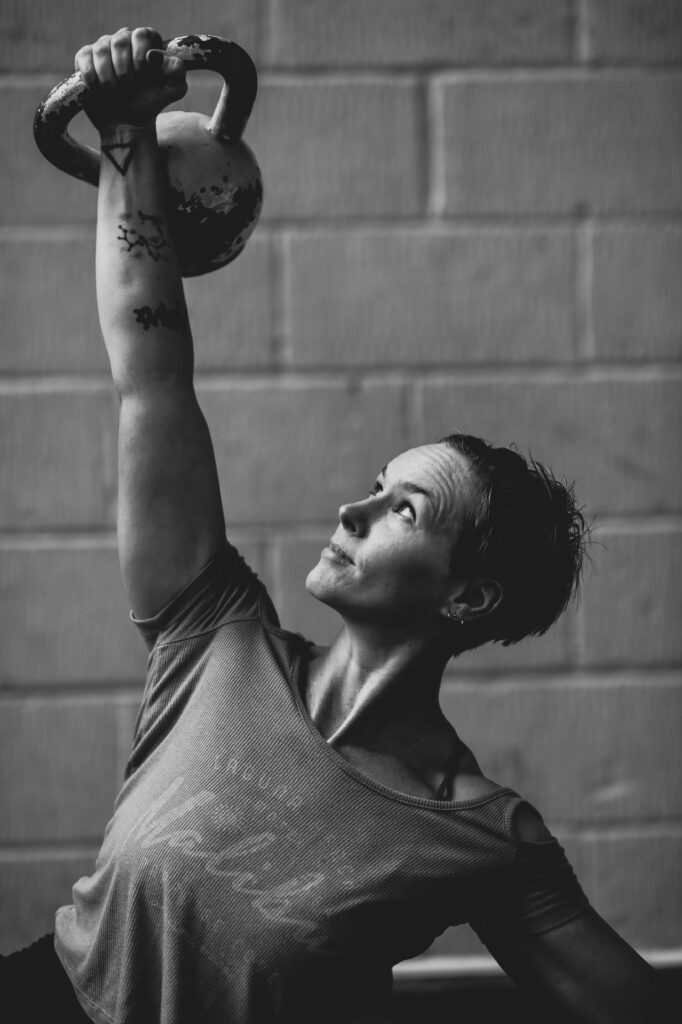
585	972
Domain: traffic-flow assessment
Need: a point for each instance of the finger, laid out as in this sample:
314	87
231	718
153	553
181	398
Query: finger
84	63
170	67
141	41
121	55
104	69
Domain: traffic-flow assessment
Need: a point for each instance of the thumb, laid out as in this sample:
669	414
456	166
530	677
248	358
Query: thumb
173	67
173	83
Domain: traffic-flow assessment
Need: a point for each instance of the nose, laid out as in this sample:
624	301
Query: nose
353	518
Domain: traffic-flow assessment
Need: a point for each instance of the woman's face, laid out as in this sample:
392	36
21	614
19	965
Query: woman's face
388	561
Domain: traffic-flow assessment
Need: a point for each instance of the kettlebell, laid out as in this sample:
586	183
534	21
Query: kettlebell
214	182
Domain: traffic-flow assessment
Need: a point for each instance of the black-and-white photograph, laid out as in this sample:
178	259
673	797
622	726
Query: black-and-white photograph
341	512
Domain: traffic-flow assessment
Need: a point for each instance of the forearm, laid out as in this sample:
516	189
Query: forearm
139	289
169	509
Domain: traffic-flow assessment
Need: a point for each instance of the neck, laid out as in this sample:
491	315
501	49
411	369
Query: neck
372	680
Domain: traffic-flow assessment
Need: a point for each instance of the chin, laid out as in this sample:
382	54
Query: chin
313	582
319	584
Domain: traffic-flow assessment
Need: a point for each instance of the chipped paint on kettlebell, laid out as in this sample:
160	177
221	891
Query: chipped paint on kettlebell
215	191
207	237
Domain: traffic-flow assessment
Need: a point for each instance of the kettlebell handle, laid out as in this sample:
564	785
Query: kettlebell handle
208	53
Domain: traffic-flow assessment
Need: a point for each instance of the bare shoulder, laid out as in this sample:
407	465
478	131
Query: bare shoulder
469	782
528	825
467	786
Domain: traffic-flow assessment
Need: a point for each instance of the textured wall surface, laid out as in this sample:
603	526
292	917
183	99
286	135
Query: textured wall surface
473	220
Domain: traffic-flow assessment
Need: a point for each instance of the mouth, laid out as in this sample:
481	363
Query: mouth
337	552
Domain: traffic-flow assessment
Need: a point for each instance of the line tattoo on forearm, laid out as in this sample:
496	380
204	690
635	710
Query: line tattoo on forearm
175	318
120	154
141	240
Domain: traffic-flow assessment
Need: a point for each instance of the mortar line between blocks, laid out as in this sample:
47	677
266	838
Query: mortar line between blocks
584	289
280	258
580	635
272	557
435	224
271	532
37	851
265	33
581	28
435	131
392	374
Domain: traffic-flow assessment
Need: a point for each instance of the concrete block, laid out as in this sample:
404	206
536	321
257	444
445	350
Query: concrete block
639	886
32	887
45	37
60	760
231	311
635	30
637	304
293	453
66	617
553	145
584	750
338	147
57	458
633	603
616	437
47	291
321	33
409	297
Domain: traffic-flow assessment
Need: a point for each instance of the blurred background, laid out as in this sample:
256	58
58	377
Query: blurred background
473	220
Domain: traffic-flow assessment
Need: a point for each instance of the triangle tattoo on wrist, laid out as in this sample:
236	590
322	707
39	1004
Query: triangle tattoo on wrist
126	150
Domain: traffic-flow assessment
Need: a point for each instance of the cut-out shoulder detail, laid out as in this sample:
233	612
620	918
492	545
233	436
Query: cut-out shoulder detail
528	826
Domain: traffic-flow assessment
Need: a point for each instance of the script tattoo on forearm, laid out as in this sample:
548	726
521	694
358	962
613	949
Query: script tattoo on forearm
174	318
147	238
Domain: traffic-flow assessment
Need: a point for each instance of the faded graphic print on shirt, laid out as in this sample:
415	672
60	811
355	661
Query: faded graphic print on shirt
258	870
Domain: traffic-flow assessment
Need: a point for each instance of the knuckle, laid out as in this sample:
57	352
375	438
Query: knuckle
145	32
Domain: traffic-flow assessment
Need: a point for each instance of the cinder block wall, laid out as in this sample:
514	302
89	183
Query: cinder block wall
473	221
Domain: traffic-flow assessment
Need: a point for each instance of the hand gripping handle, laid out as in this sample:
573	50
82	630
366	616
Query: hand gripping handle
208	53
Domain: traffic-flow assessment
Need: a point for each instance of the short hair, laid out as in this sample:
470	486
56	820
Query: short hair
524	529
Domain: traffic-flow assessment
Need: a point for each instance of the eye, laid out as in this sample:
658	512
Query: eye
376	489
405	510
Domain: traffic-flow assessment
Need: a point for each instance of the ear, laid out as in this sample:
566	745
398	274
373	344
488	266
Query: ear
472	600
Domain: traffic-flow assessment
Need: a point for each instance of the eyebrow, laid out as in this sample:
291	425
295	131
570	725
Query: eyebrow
408	486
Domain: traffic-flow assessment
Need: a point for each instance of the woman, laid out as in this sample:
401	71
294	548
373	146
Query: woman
296	819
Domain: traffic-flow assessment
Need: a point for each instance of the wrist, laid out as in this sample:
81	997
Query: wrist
122	130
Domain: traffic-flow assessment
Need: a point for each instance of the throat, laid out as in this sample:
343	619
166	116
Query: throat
390	726
344	692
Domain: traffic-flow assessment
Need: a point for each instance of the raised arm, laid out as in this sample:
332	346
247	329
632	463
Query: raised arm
170	518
